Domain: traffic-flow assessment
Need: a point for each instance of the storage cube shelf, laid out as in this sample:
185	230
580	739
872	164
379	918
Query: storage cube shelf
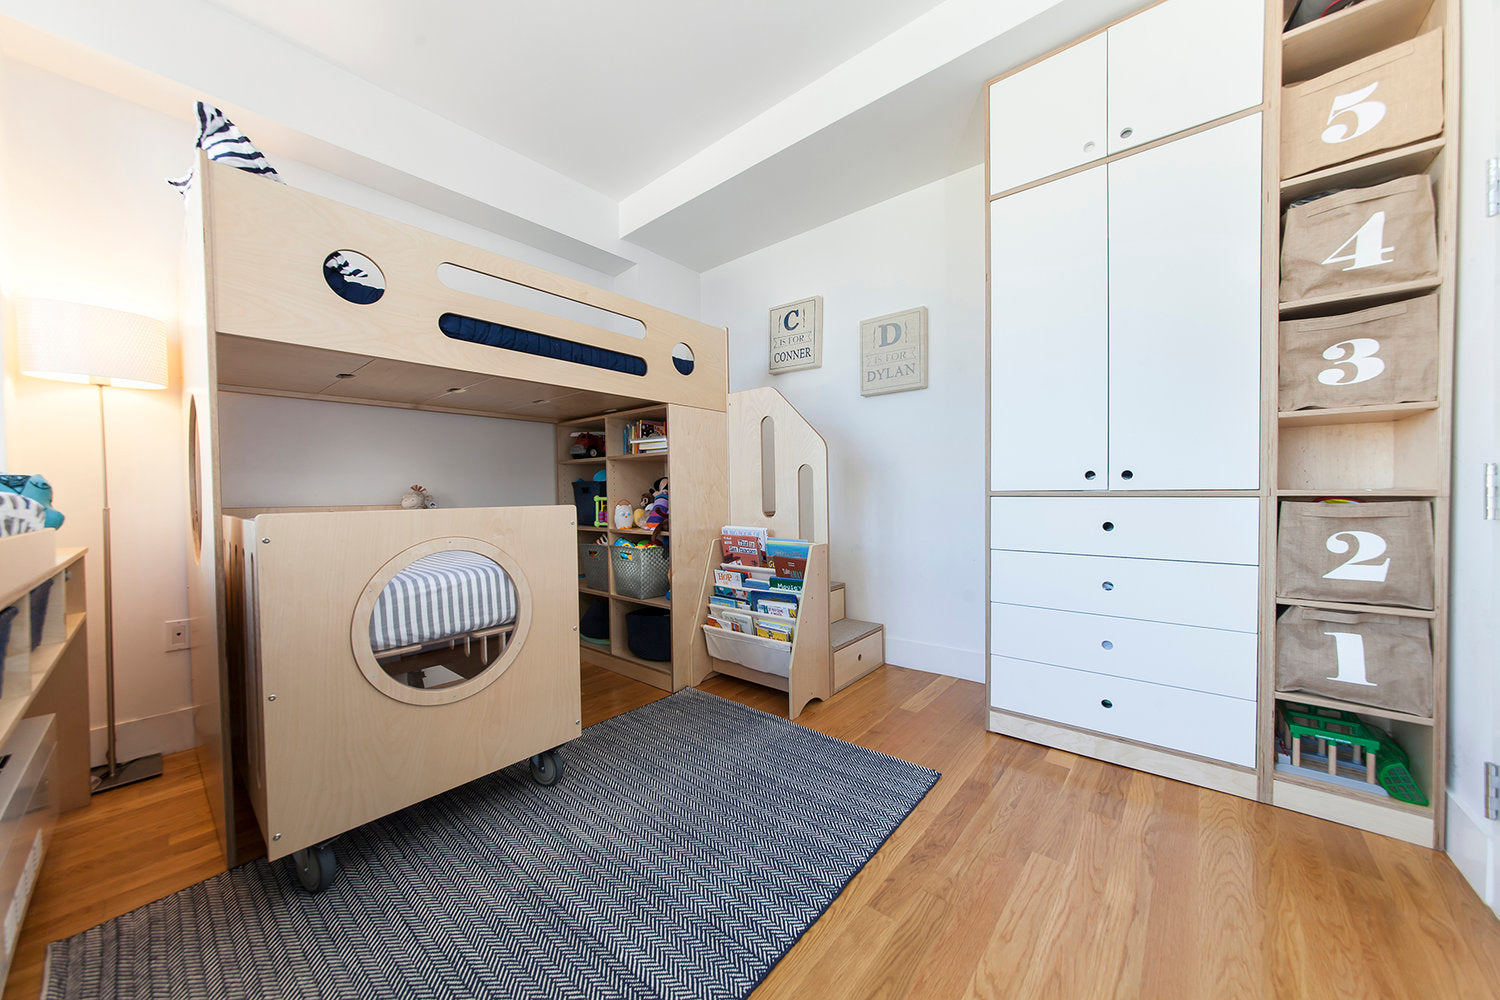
695	471
1387	452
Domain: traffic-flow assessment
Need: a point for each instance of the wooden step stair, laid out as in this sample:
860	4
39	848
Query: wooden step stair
858	647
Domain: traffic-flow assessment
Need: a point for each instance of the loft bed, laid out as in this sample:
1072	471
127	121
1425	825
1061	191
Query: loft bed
350	662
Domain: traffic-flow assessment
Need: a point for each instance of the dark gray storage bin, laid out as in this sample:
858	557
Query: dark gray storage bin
648	633
584	492
593	566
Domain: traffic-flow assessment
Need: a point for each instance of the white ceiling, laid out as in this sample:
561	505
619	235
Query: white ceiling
612	94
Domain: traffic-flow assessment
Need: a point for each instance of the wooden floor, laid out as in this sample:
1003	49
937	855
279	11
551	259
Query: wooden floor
1026	872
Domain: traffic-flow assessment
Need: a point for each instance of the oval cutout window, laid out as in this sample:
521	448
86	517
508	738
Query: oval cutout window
441	621
682	359
353	277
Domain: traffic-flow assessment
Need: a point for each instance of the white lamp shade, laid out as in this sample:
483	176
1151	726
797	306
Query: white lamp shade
70	342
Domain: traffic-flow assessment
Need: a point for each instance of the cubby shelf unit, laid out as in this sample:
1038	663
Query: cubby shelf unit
1398	451
695	464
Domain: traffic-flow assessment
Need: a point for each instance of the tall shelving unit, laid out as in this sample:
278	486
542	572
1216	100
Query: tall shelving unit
695	464
1400	451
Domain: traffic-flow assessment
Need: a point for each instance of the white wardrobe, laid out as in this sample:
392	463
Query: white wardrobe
1125	478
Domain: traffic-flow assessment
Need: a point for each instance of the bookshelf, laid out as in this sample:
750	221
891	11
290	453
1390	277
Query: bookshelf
695	464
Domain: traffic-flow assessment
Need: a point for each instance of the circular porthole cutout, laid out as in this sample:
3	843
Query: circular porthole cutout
682	359
354	277
441	621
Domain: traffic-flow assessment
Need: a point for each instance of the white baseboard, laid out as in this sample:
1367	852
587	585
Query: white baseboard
165	733
965	664
1471	845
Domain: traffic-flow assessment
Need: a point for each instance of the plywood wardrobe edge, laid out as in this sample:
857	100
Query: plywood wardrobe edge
1269	382
1449	11
1240	782
212	717
1373	815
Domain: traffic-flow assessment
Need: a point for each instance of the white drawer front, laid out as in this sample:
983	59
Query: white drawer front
1199	529
1213	595
1207	725
1203	659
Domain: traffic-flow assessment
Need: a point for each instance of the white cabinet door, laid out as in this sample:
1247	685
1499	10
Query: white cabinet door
1049	336
1048	117
1184	313
1183	63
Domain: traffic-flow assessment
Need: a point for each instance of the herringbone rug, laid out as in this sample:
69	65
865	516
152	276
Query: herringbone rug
688	845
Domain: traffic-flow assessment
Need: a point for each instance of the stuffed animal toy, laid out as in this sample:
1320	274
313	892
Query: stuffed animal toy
418	499
37	490
658	510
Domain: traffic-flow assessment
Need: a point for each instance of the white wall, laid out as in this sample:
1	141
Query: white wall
304	452
1474	694
87	218
906	470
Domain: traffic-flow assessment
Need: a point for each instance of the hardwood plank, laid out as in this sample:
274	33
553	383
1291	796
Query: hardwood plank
1026	872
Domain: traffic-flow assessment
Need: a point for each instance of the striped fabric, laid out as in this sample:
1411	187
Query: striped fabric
223	141
440	596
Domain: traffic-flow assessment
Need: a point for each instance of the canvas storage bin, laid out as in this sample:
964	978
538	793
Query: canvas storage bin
593	566
1387	354
648	633
1384	661
640	572
1356	553
1360	238
584	492
1383	101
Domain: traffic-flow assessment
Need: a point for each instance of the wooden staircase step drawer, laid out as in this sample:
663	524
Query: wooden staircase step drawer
1206	725
857	659
1199	529
1203	659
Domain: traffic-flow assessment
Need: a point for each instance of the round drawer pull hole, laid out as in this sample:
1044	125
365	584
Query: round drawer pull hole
1126	133
1108	526
1107	644
1127	474
1089	474
1107	703
1107	585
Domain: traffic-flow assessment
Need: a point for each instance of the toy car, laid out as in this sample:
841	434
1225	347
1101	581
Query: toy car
586	444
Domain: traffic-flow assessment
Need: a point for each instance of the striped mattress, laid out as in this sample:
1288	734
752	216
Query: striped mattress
441	596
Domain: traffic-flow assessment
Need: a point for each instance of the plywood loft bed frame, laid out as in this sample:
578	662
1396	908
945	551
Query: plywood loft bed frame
289	725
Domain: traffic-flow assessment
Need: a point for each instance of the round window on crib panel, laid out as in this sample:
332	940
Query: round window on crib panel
682	359
441	621
354	277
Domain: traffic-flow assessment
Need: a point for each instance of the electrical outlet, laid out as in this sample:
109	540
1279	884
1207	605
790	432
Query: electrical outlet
177	636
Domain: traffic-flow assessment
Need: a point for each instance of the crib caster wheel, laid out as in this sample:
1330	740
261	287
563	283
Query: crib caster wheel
546	768
316	867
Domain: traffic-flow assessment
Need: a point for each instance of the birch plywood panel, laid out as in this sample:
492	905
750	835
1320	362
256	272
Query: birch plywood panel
340	753
269	245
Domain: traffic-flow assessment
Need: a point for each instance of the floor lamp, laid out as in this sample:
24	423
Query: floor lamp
69	342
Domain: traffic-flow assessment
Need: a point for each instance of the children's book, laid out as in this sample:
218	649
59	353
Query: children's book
773	630
720	601
778	603
737	621
790	586
788	556
745	545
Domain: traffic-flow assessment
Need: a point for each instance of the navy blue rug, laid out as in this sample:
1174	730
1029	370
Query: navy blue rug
686	848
